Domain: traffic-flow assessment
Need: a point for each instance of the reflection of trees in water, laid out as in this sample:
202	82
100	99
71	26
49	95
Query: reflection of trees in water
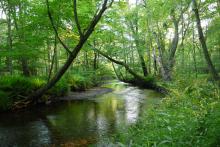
84	119
106	119
23	131
76	122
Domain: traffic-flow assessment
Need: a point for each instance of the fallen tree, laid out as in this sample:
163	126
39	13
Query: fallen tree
145	82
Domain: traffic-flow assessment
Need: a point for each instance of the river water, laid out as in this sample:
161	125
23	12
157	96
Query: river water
78	122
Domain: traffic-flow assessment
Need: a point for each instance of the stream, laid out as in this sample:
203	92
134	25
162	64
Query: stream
78	122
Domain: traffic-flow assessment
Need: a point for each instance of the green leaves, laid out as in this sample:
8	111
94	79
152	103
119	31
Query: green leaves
184	118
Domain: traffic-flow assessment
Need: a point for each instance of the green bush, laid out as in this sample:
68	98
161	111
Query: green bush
5	101
16	88
211	128
79	82
189	116
81	79
60	89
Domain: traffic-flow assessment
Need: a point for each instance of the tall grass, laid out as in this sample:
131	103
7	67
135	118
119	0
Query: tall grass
189	116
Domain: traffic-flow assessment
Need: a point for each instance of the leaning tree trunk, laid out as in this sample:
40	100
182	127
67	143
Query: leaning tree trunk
133	73
210	65
139	80
72	54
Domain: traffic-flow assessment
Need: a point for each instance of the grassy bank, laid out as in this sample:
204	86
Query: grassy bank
188	116
15	89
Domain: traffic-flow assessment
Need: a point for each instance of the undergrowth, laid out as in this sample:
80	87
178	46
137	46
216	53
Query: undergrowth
188	116
18	88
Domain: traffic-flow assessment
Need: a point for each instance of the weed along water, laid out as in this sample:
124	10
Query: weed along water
77	122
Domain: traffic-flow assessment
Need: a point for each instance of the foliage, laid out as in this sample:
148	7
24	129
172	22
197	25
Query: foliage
16	88
81	80
189	116
5	101
60	89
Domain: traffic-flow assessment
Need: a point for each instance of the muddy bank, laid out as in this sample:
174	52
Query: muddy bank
90	93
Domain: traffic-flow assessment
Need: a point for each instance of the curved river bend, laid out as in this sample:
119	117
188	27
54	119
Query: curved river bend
79	122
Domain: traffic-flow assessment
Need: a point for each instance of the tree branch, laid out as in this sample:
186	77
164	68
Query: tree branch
55	30
96	18
76	19
117	62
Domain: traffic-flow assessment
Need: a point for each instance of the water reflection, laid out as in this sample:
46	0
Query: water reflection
76	122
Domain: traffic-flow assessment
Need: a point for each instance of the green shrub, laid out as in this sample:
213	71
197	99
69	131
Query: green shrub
188	116
81	79
211	128
60	89
79	82
16	88
5	101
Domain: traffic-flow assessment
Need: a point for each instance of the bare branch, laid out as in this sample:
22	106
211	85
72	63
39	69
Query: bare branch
55	30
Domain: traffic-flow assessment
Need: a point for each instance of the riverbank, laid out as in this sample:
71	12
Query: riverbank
77	122
188	116
14	90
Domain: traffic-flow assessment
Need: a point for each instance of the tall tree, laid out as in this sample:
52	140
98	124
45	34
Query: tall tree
84	35
210	65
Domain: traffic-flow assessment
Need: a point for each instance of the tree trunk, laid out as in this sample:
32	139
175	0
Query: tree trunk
72	54
133	73
141	58
167	63
9	59
23	60
194	52
25	68
95	61
6	7
210	65
56	61
134	28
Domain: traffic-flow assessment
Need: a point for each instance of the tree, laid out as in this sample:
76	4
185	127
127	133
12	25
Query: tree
84	35
210	65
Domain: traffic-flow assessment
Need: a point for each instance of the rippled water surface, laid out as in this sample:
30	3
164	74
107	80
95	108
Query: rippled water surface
78	122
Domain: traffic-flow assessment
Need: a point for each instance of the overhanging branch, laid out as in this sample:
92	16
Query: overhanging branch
118	62
76	19
55	30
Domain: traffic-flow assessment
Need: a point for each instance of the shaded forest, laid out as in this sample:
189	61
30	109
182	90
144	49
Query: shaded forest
49	48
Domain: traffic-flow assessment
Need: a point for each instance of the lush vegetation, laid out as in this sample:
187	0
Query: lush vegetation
51	47
188	116
17	88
